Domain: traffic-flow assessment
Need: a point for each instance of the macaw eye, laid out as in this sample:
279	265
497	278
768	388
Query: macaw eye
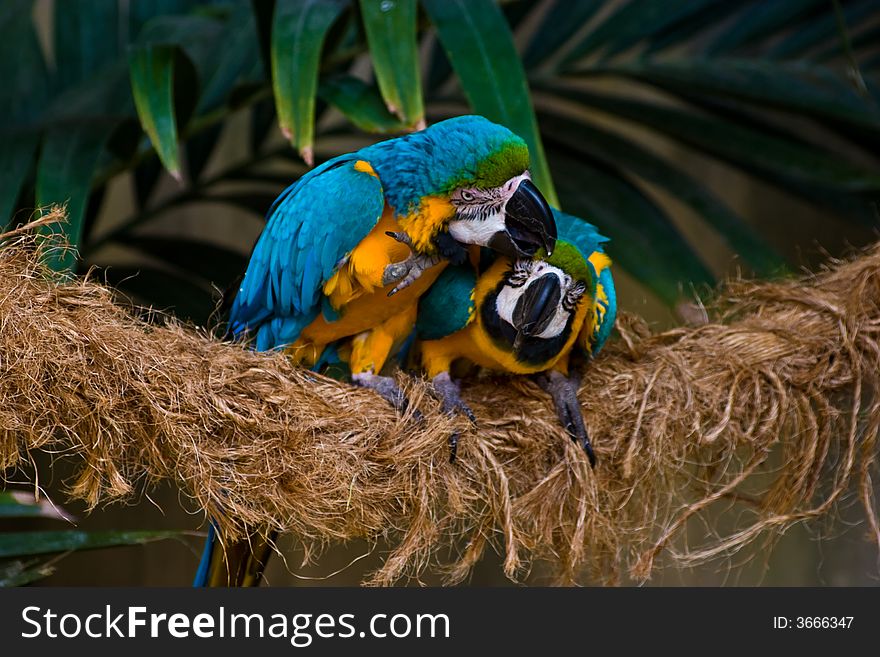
467	196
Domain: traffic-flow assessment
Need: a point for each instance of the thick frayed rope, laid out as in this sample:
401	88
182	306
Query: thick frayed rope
769	414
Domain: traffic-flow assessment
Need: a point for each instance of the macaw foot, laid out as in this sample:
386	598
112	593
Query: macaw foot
449	393
386	387
405	272
564	389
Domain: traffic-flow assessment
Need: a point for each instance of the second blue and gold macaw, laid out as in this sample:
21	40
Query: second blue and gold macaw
523	316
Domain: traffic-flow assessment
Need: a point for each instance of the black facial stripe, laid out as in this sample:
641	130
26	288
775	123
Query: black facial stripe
480	209
518	277
573	296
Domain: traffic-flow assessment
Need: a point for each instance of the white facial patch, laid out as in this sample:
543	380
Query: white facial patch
506	300
508	297
480	212
556	325
469	231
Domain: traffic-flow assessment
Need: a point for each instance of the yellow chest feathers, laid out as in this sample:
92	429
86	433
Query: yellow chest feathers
423	224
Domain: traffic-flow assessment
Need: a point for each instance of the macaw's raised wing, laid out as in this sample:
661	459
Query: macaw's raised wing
312	228
584	235
591	244
606	308
449	305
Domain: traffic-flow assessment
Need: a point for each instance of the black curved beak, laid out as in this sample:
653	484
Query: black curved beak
535	308
528	222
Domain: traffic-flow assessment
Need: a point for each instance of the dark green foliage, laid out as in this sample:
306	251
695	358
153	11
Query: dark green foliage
17	568
735	82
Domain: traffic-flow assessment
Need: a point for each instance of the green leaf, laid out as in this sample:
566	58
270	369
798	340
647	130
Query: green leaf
64	175
480	47
86	38
22	504
562	20
864	39
199	36
391	35
104	97
791	86
688	32
821	29
23	72
21	544
239	55
152	83
740	145
20	573
643	239
16	157
634	21
209	262
760	20
298	32
360	103
614	150
142	12
12	11
23	94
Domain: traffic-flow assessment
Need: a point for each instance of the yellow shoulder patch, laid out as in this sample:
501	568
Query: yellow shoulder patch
428	220
600	261
364	167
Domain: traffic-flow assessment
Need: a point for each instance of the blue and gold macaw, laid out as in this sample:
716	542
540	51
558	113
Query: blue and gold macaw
523	315
348	249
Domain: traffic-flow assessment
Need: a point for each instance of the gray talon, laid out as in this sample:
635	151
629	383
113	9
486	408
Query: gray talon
449	391
401	237
563	390
417	264
395	272
405	272
453	446
388	389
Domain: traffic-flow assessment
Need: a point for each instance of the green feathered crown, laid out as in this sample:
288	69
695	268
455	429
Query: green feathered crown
567	257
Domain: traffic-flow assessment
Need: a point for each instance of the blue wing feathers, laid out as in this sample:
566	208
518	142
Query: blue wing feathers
312	225
607	324
579	232
312	275
587	238
447	306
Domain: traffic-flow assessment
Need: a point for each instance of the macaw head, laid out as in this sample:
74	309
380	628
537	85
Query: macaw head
540	296
474	175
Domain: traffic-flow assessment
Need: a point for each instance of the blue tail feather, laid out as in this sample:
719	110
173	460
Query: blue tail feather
201	578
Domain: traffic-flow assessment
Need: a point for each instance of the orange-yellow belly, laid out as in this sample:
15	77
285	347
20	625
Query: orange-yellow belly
370	309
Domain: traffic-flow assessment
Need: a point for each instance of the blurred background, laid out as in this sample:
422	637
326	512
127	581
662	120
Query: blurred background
706	138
